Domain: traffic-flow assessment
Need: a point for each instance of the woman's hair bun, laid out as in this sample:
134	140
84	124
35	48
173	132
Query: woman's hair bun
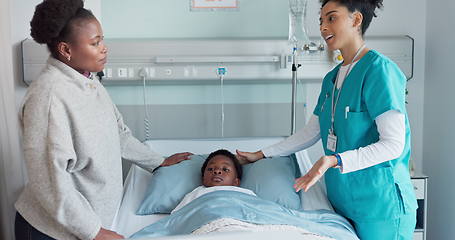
51	16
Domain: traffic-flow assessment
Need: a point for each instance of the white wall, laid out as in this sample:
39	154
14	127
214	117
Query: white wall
254	19
11	169
21	14
439	131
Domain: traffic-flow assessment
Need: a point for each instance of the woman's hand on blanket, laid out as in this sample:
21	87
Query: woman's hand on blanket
249	157
315	173
176	158
105	234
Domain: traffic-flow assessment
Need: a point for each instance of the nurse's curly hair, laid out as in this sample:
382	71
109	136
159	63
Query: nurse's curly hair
226	153
366	7
54	20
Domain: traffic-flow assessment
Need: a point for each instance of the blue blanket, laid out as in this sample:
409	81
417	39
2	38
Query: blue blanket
247	208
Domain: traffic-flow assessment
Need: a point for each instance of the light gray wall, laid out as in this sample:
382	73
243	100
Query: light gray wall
173	19
204	120
439	131
11	175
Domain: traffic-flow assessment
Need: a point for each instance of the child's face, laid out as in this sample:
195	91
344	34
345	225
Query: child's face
220	171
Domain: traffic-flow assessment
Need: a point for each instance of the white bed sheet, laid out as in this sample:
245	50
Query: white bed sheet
126	222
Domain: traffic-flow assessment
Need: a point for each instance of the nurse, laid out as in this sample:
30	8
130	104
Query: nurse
74	137
362	121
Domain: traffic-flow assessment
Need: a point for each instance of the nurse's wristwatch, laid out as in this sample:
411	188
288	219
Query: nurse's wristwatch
339	161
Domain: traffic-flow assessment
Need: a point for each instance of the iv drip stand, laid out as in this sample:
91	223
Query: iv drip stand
295	66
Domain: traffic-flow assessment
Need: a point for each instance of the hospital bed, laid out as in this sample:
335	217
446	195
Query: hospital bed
126	221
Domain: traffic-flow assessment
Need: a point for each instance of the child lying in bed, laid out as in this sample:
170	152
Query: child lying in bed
219	205
220	171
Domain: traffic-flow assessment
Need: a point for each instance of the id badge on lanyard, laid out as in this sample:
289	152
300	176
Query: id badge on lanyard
331	141
332	138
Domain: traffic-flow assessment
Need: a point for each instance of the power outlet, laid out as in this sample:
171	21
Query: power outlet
122	72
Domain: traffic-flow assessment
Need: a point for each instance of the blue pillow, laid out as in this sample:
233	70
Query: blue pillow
270	178
169	185
273	179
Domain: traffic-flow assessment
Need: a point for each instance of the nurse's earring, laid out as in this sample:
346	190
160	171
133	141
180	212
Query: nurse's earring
69	58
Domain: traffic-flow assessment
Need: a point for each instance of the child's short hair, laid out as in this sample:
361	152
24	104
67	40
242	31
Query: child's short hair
224	152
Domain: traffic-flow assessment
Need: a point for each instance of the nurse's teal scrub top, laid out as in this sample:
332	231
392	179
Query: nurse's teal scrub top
374	86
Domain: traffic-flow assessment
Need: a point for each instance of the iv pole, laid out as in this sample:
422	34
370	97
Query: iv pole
295	67
297	11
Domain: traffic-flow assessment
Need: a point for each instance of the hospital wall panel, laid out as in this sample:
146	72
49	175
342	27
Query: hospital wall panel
193	121
133	60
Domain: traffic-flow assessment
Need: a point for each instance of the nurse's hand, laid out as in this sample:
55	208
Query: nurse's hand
105	234
315	173
249	157
176	158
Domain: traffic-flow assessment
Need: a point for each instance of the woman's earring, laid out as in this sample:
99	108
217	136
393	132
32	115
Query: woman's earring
69	58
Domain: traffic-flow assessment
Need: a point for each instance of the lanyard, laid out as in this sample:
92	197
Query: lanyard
335	102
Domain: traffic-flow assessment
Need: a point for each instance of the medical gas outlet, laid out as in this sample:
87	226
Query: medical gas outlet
131	73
